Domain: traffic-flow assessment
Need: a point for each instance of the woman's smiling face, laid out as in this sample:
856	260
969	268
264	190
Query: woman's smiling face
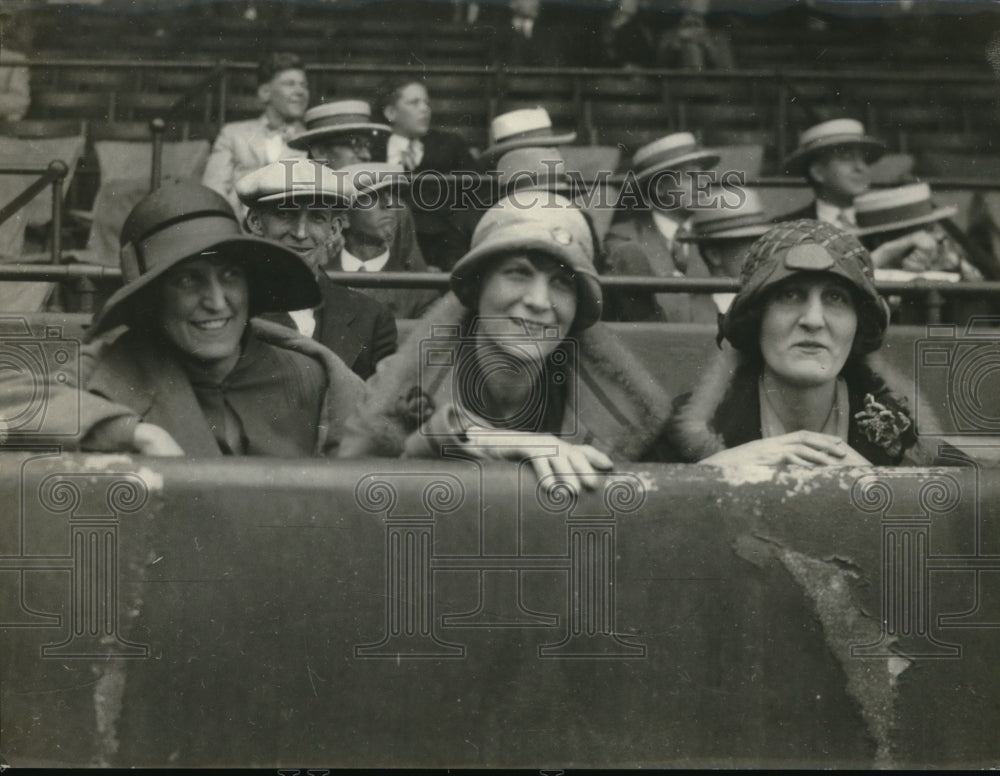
527	293
808	328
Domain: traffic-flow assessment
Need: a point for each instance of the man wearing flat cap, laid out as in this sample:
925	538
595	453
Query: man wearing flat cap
835	157
174	363
304	206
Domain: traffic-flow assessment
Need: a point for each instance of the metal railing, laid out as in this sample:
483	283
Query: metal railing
53	175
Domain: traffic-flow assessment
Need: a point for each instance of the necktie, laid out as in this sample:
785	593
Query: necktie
409	156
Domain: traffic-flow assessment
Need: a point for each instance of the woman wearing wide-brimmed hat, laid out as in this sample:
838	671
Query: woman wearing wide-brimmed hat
796	382
662	185
514	359
176	366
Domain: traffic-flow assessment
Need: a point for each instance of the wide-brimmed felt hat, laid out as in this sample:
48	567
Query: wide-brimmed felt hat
887	210
555	227
805	245
335	118
182	220
671	152
835	133
523	128
732	218
296	180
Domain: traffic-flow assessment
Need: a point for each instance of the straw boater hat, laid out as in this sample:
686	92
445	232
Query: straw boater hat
669	153
831	134
535	168
296	180
890	209
333	118
181	220
744	219
521	129
366	177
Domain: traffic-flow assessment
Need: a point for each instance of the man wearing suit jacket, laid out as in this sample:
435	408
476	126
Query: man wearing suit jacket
245	146
303	205
443	230
835	158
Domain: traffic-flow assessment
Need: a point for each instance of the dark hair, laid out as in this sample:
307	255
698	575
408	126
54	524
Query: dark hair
276	63
389	90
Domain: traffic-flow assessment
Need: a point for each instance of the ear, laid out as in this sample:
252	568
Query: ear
817	171
264	93
254	222
389	111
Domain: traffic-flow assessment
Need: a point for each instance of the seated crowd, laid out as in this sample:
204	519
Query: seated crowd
229	338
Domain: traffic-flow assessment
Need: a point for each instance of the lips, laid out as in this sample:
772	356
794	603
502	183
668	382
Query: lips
810	345
214	324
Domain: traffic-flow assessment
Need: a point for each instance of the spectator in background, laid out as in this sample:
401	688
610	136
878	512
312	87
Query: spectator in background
692	44
303	205
627	38
905	232
369	233
442	231
534	36
245	146
643	241
340	134
15	86
835	158
724	233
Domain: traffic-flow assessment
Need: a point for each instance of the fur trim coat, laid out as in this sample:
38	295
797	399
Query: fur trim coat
612	402
724	412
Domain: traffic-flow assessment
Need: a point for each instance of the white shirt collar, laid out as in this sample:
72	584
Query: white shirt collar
666	225
831	213
352	263
305	321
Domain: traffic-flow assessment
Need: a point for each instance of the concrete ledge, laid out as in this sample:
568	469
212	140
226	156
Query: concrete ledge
270	613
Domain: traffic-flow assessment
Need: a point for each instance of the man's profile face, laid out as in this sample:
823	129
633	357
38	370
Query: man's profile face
342	149
304	227
287	94
374	215
204	307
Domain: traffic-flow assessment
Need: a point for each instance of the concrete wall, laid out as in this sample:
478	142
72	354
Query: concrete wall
268	613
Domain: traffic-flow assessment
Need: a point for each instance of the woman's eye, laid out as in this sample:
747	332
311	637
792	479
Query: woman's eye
562	282
230	274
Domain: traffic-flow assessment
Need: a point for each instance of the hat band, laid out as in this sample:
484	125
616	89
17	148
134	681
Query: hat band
161	247
724	224
524	134
892	215
664	156
833	140
339	120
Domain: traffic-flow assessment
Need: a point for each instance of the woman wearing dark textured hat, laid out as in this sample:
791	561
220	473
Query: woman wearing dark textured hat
513	362
191	373
797	386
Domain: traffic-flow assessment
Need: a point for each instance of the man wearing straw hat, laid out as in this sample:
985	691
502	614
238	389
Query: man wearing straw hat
304	206
342	133
644	241
835	157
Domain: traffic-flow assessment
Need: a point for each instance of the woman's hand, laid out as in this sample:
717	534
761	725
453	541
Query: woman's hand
799	448
150	439
569	464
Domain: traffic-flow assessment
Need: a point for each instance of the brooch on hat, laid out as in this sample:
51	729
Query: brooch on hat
561	236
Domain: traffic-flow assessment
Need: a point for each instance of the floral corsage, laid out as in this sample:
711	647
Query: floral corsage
884	426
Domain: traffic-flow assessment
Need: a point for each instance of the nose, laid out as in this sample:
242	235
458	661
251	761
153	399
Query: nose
812	316
213	295
300	226
364	153
536	295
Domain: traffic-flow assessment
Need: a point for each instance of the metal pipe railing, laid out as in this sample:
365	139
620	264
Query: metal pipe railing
53	175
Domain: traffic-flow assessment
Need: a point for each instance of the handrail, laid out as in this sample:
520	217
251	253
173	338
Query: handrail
54	174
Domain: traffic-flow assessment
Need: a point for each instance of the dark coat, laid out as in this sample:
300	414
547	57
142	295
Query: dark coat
723	411
613	403
129	377
809	211
360	330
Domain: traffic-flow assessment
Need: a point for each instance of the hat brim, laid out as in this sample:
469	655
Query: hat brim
278	279
589	299
728	234
310	136
798	161
939	214
328	199
499	149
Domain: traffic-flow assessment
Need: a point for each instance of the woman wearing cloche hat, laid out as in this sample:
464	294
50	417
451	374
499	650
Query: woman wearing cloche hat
514	359
795	383
175	364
